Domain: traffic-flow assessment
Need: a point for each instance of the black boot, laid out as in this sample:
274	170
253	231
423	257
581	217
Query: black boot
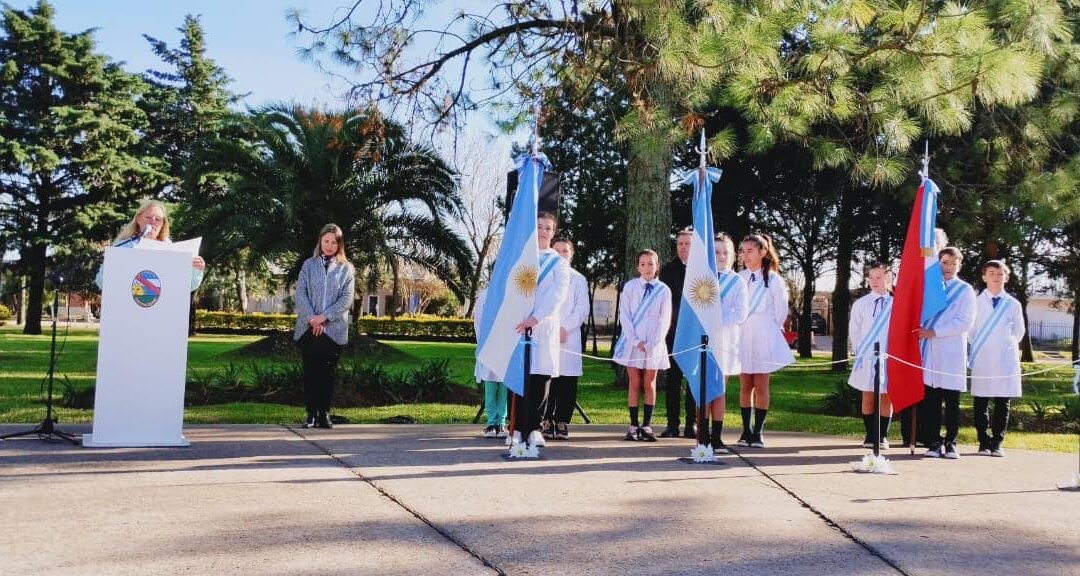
309	420
322	419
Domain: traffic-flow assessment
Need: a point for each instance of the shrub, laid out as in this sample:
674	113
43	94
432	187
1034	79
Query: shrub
843	401
5	313
376	326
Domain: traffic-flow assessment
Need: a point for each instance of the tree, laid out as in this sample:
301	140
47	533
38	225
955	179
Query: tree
69	142
300	169
482	179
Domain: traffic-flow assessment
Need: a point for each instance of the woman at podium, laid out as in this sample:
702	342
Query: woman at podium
324	295
152	223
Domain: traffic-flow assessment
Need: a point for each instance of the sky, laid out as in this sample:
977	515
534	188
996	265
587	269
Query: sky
250	39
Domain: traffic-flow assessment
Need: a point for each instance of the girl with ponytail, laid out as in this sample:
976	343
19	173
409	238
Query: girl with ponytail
762	347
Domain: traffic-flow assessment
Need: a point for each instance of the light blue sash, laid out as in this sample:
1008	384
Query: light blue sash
727	282
950	297
639	315
980	337
759	294
880	322
548	262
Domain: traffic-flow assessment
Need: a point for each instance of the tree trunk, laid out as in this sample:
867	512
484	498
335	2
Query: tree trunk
841	300
241	288
1075	347
20	301
806	324
648	204
1026	352
394	293
35	258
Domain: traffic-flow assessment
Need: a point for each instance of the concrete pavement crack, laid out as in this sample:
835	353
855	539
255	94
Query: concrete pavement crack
414	513
825	518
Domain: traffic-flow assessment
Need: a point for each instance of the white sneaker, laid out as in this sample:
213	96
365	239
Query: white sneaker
536	438
515	439
933	452
884	444
997	453
489	432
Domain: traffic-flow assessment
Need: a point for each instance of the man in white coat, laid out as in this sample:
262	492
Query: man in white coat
551	290
995	356
944	352
572	314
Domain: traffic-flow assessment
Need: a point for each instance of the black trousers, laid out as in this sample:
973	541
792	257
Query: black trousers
562	399
930	413
675	389
320	356
982	420
527	416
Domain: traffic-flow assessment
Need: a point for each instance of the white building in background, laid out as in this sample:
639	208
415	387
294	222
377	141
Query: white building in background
1049	318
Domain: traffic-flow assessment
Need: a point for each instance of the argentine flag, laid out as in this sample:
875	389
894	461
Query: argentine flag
513	283
699	310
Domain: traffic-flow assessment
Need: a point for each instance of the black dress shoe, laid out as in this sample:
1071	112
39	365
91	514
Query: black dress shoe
670	433
690	432
309	421
322	420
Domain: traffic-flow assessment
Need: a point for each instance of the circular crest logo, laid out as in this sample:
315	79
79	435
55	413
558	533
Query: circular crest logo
146	288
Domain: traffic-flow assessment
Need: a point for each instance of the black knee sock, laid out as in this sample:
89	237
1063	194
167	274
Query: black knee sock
746	419
633	416
885	421
717	428
866	419
648	415
759	420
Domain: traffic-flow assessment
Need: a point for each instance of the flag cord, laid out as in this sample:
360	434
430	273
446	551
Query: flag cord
1055	365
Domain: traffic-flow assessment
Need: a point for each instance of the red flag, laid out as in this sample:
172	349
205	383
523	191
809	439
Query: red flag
919	294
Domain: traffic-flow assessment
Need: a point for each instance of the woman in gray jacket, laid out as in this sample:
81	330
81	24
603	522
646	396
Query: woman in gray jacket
324	295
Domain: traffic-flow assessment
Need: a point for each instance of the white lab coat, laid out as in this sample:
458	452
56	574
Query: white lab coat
1000	355
652	329
572	314
862	320
481	372
947	351
762	348
550	294
733	310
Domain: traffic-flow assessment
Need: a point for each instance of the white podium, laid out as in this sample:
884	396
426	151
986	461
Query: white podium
142	350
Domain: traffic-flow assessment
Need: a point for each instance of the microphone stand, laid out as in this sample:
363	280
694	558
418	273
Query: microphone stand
47	430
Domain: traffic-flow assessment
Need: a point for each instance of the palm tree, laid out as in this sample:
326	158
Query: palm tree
298	169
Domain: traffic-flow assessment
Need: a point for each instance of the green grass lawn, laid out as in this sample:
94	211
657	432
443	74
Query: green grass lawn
796	391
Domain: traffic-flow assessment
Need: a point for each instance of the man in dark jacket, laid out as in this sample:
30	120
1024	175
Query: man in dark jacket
672	274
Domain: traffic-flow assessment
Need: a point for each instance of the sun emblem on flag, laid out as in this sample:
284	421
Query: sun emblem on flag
525	279
703	291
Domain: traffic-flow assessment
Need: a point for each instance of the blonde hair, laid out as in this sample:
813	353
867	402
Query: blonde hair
131	229
339	236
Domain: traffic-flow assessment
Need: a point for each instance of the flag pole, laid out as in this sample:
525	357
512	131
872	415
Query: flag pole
913	432
876	422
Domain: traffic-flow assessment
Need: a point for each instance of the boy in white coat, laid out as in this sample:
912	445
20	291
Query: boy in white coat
734	308
544	322
944	351
644	316
995	356
572	314
869	324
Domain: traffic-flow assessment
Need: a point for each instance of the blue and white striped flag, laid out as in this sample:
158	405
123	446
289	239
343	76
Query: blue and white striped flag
699	310
512	289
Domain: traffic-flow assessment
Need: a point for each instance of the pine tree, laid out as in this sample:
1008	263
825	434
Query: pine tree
69	142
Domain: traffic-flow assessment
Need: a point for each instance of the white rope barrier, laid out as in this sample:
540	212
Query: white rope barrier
1055	365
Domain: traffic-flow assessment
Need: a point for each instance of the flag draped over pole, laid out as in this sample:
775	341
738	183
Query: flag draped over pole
699	310
512	288
919	295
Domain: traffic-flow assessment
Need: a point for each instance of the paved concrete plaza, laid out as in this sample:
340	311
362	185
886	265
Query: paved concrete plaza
440	500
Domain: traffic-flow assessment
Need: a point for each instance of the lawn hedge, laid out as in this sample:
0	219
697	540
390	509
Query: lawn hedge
411	327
